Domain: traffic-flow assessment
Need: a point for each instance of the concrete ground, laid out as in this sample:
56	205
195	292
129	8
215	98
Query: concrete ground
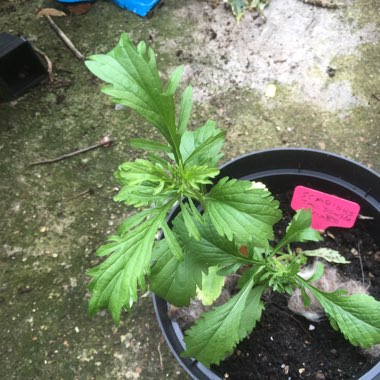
325	67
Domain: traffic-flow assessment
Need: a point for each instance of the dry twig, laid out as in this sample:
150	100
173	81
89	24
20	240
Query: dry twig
322	3
106	141
48	13
159	352
48	62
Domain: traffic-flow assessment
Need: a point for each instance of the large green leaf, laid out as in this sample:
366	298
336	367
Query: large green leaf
115	281
239	211
132	74
356	316
218	331
203	146
174	280
299	230
211	249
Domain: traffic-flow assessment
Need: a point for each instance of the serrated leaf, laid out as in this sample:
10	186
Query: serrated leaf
238	211
190	141
175	281
356	316
115	281
327	254
134	81
211	249
218	331
212	285
252	311
150	145
185	110
299	230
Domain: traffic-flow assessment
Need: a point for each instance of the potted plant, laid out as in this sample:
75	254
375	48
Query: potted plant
221	225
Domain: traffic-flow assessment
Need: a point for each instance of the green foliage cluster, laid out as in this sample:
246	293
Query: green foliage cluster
240	6
200	248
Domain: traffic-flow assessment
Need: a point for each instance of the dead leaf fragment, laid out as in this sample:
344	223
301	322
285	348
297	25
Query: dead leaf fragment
50	12
79	9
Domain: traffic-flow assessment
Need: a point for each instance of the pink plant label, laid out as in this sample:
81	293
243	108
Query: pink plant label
327	210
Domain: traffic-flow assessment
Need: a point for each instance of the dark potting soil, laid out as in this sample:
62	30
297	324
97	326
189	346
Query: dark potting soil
287	346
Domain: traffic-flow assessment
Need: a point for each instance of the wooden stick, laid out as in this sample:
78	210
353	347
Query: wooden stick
48	62
65	39
104	142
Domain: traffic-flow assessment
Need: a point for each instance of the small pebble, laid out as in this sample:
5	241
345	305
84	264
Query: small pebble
377	256
311	327
334	352
301	371
320	376
330	71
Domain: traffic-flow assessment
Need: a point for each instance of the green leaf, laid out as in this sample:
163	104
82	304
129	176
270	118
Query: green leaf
238	8
172	242
175	78
318	273
212	285
239	211
144	194
185	110
211	249
218	331
194	176
115	281
175	281
299	230
150	145
201	154
252	311
134	81
190	221
133	221
327	254
356	316
207	140
144	183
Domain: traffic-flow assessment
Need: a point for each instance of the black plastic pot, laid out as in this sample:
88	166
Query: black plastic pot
281	170
20	67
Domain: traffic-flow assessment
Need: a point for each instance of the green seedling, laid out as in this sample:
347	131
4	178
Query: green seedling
216	218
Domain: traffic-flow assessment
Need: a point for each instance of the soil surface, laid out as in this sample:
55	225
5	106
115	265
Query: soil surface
287	346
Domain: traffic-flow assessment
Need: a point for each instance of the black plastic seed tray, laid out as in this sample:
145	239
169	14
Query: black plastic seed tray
20	67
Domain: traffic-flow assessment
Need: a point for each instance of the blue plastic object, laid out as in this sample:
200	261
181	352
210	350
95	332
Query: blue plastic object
75	1
140	7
